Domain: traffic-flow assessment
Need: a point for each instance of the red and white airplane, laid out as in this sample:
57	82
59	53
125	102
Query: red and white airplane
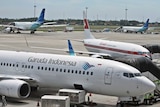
113	48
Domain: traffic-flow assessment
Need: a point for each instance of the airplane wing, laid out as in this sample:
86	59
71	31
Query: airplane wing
49	23
58	25
78	52
29	80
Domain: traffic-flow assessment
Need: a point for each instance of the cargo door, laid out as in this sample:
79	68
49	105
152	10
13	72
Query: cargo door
108	76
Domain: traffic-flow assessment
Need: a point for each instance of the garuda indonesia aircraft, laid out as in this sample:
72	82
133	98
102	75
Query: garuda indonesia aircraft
29	26
19	71
136	29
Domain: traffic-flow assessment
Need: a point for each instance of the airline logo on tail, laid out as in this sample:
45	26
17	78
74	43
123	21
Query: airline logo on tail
87	32
86	25
71	51
146	24
41	17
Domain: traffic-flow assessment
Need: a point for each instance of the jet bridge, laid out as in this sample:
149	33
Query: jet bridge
153	48
143	64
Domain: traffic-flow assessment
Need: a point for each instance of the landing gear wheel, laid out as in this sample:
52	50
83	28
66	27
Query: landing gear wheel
120	104
32	32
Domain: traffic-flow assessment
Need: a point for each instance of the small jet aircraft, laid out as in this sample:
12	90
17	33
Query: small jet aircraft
135	29
19	71
29	26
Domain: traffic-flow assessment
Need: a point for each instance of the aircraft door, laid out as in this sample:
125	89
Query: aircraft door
16	66
108	76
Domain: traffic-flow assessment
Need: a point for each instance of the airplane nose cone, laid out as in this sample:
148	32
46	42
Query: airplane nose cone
148	86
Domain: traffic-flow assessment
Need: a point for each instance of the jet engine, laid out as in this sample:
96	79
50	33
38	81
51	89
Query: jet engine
8	29
14	88
97	56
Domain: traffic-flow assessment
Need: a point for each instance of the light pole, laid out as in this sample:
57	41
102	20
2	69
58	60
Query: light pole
34	8
126	13
34	11
86	11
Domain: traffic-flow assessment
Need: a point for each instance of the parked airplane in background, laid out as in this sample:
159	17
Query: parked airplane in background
135	29
21	70
113	48
30	26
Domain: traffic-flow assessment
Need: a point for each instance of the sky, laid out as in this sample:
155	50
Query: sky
73	9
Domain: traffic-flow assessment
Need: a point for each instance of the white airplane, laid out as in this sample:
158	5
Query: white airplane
135	29
30	26
113	48
21	70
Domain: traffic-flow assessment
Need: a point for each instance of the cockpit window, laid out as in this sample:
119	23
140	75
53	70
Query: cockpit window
131	75
125	74
137	74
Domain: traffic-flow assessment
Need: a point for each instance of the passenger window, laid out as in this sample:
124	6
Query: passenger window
83	72
22	66
87	73
91	73
38	67
49	69
52	69
60	70
68	70
72	71
31	67
28	66
41	68
76	71
79	72
64	70
57	69
45	68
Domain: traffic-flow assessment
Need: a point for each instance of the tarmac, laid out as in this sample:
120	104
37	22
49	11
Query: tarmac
26	41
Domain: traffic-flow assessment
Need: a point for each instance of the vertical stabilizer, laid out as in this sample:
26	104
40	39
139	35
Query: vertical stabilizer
146	24
87	31
71	51
41	17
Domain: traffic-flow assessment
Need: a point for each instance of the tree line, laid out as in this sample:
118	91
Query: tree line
80	22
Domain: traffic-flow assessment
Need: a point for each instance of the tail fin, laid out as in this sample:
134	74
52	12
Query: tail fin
41	17
71	51
87	31
146	24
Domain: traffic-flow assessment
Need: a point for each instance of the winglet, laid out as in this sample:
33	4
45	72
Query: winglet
41	17
146	24
71	51
87	31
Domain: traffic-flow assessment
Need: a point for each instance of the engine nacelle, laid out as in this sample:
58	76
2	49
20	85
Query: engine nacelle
97	56
14	88
8	29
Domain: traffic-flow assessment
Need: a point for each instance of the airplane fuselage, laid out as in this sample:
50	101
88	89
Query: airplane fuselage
94	75
134	29
27	25
115	49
